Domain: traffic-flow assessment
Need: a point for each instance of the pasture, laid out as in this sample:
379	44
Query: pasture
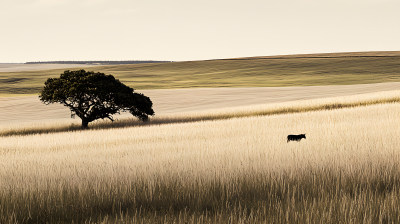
276	71
211	155
28	109
236	168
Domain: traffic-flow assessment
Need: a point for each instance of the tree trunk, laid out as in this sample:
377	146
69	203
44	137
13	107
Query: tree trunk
85	124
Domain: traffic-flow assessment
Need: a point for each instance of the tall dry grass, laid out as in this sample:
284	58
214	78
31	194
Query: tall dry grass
239	170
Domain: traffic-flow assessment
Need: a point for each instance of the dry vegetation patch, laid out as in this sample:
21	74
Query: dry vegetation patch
171	101
331	103
235	170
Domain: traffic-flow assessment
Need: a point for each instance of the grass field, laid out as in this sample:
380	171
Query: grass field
212	156
62	125
237	170
300	70
27	109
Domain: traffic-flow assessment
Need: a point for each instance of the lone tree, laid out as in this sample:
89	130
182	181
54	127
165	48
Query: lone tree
92	96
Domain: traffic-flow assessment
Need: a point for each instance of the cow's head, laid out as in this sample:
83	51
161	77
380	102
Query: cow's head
303	135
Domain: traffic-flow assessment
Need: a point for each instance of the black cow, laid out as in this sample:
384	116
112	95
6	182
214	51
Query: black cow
295	137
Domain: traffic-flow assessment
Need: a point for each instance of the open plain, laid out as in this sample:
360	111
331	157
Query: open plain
237	170
20	109
275	71
212	155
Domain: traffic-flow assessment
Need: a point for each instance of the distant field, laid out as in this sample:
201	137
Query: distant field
49	123
294	70
20	67
20	109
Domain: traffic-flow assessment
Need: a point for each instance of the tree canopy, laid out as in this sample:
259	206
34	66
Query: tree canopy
92	96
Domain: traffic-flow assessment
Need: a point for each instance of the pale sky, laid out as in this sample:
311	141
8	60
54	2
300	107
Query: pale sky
43	30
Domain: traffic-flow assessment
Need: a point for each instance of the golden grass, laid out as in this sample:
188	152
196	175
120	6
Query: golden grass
239	170
63	125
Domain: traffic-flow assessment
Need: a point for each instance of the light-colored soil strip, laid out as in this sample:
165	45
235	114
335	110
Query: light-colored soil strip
225	113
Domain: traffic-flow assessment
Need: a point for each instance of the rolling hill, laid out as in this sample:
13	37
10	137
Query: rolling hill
271	71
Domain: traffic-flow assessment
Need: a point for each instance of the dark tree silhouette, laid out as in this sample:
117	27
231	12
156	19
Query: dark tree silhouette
93	96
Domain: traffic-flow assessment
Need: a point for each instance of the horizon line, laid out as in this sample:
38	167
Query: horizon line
273	56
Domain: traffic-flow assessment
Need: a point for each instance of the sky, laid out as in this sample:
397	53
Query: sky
180	30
